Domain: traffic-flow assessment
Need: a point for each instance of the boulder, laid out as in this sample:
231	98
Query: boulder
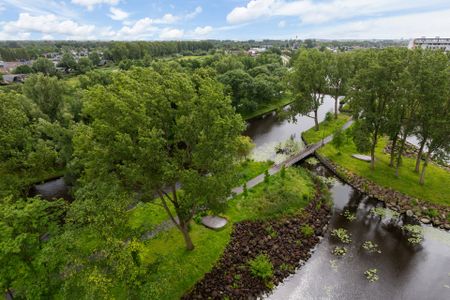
214	222
425	221
362	157
409	213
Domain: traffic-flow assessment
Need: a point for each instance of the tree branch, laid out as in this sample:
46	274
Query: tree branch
166	208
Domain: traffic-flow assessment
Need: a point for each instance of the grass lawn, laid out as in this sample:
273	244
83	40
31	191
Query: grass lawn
437	180
173	270
249	169
325	129
268	108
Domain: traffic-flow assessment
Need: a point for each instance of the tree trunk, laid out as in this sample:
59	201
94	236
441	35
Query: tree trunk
336	106
425	163
394	143
184	228
372	158
399	155
9	295
419	155
316	120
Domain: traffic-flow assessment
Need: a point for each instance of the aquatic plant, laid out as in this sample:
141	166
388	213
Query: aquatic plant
349	216
384	212
261	267
341	234
371	247
371	275
414	232
312	161
339	251
329	181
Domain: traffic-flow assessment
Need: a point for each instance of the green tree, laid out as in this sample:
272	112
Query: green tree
84	65
23	69
338	139
67	62
339	73
152	132
373	89
47	92
308	83
44	65
94	58
26	227
245	146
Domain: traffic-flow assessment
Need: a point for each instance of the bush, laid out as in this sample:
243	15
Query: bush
329	116
307	230
261	267
432	213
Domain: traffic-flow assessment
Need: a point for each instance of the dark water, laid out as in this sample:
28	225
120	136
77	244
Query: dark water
53	189
404	272
267	131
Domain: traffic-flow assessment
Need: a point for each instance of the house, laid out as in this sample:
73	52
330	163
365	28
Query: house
13	78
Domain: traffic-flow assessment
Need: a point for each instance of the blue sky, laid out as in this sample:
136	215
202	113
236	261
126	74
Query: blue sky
222	19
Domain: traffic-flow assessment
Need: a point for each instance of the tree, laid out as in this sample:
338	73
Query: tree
84	65
245	146
26	225
23	69
338	75
239	85
67	62
94	58
308	83
47	92
44	65
152	132
373	89
338	139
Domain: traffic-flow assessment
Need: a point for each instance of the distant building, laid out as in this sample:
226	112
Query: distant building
15	78
256	51
430	43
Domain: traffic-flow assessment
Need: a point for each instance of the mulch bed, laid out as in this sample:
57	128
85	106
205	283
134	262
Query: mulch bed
287	249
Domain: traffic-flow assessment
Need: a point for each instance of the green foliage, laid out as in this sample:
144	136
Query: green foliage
23	69
339	251
342	235
283	171
349	216
266	176
261	267
371	275
307	230
329	116
338	139
44	66
272	232
245	146
371	247
432	213
414	233
326	128
67	62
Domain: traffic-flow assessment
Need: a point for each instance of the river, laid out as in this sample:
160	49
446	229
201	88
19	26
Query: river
405	272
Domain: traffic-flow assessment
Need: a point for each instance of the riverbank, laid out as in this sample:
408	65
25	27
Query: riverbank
174	272
285	242
268	108
428	203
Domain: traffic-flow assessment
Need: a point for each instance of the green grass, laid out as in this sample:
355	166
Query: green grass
249	169
326	128
437	180
268	108
173	270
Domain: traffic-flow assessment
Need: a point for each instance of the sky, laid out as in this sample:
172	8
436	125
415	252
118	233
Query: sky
222	19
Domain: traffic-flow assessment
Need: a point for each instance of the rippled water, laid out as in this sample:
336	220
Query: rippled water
404	272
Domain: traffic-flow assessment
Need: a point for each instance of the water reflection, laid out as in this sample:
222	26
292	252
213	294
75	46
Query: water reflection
405	272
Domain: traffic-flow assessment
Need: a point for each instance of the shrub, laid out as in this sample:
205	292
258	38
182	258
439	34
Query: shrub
329	116
432	213
307	230
261	267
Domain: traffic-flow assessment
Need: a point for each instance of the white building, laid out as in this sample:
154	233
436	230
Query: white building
431	43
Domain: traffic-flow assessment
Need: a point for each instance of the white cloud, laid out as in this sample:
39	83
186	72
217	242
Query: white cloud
46	24
198	10
118	14
319	12
90	4
47	37
408	26
282	24
143	27
166	19
43	7
203	30
171	34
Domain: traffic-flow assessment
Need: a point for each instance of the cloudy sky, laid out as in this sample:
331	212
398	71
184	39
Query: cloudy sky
222	19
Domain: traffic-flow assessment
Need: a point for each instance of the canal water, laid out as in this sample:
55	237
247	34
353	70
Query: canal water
404	271
268	131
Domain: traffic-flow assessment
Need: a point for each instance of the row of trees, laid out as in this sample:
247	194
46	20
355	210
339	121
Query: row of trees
395	92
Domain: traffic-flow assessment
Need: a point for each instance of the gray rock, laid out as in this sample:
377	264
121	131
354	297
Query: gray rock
425	221
362	157
214	222
447	226
409	213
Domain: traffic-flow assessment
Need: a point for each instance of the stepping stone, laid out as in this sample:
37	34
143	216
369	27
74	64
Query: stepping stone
214	222
362	157
425	221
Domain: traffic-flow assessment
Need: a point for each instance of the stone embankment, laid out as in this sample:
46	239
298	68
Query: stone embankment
427	213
